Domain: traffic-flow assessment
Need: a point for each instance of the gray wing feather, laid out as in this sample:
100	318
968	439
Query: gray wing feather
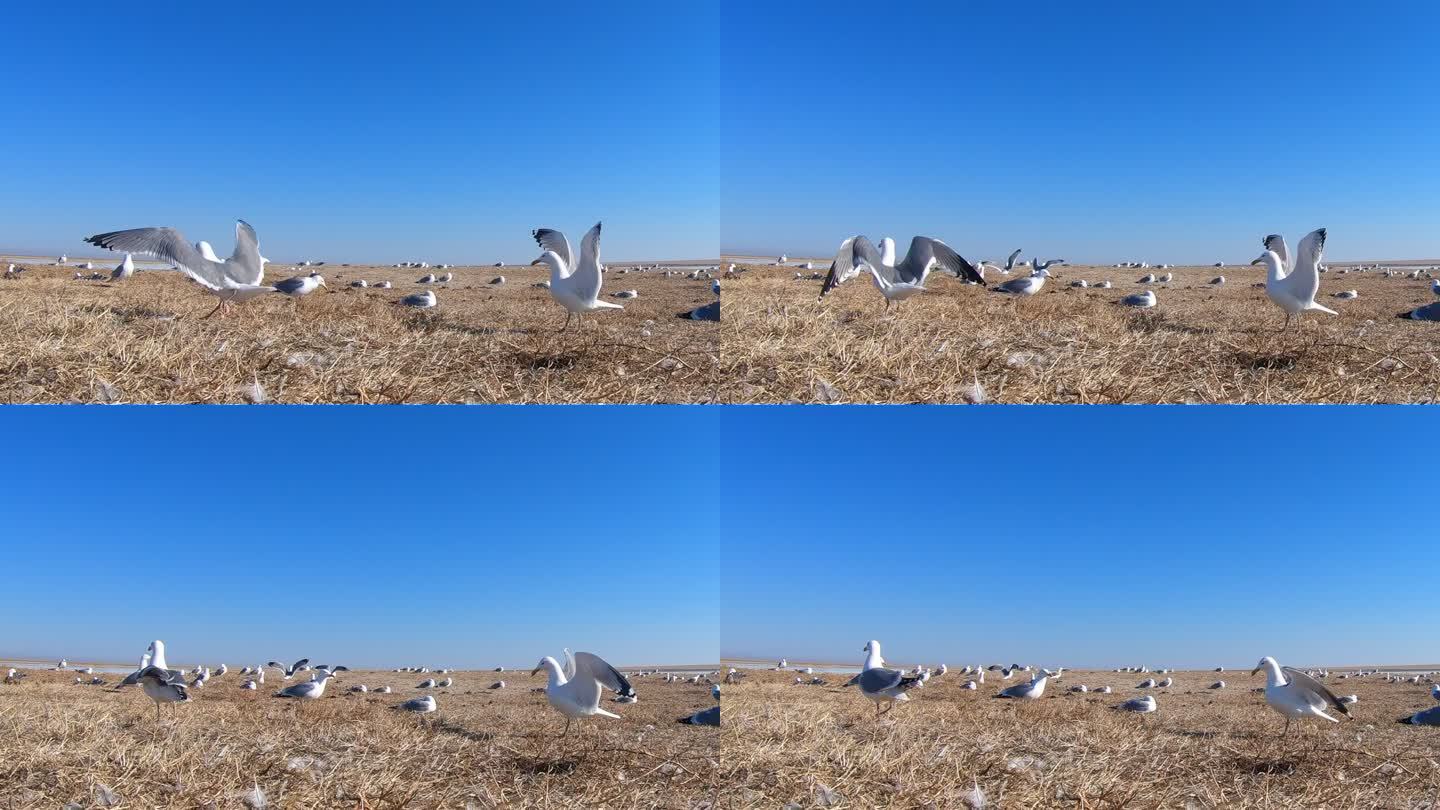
947	260
846	266
1010	262
878	679
608	676
1316	688
550	239
169	245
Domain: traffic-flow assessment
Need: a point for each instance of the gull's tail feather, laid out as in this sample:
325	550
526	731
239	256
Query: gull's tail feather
1321	308
607	305
604	713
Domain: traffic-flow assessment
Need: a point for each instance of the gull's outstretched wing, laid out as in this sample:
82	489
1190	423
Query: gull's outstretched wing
1320	696
587	271
1010	262
1276	243
553	240
245	265
846	266
169	245
923	249
595	668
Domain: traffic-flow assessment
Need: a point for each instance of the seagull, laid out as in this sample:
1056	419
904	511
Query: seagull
880	683
1148	683
249	684
1218	685
498	685
1026	286
154	656
574	286
362	284
382	285
428	683
158	686
300	285
897	280
1218	281
428	278
1435	286
1143	300
1039	265
425	300
625	294
1032	690
706	717
445	684
234	279
1435	691
446	279
420	705
289	672
1293	285
1428	717
1010	262
578	695
1148	278
1296	695
309	690
124	270
1166	684
1142	705
1349	700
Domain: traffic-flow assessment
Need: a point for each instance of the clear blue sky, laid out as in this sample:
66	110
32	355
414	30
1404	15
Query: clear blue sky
363	536
1081	536
1095	132
344	132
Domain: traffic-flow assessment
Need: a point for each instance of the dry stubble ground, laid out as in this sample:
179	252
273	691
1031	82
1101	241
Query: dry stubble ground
145	340
959	343
61	743
823	746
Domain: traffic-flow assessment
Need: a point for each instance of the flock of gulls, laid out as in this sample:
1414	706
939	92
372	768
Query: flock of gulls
1292	693
1292	283
574	688
574	283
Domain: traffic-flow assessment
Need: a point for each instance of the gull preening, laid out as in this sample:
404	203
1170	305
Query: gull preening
233	280
575	690
153	657
574	286
1296	695
897	281
880	683
1292	285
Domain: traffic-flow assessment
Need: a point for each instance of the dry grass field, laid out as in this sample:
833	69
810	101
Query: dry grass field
957	343
823	746
61	743
145	340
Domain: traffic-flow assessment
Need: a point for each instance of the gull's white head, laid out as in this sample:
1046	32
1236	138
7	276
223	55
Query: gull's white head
887	250
319	279
1042	272
549	664
552	259
1268	664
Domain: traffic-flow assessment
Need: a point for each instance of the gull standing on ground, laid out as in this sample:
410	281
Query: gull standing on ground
1293	285
578	695
1296	695
309	690
574	286
158	686
124	270
300	285
1024	287
880	683
1032	690
897	280
234	279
